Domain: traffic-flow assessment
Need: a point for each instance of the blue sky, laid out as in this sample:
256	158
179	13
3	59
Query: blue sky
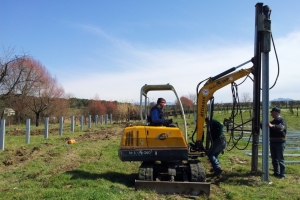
112	48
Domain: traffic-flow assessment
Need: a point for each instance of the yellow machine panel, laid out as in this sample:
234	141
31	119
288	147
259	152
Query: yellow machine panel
154	137
167	137
140	143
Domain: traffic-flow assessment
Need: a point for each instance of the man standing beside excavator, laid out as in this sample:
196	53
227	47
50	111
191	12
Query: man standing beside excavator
277	142
218	145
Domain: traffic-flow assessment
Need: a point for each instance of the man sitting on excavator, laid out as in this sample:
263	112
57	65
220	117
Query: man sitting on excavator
157	115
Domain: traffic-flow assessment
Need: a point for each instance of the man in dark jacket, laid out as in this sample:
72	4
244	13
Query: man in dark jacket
277	142
218	145
157	115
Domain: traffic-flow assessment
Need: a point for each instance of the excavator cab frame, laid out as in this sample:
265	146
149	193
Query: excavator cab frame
144	100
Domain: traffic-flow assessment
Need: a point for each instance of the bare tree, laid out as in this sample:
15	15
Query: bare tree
246	98
72	99
193	98
11	73
246	101
23	87
40	91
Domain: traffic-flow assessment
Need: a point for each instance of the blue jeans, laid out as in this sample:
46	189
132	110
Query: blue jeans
277	149
213	153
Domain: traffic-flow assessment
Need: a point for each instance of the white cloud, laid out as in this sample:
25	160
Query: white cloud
183	66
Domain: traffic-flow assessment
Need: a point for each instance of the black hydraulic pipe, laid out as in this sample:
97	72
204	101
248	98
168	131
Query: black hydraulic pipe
228	71
223	73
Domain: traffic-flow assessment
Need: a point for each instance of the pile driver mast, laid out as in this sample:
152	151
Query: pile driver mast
262	47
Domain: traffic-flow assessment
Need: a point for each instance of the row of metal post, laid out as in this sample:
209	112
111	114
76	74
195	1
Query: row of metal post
61	120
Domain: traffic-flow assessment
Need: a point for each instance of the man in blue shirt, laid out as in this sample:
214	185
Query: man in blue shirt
157	115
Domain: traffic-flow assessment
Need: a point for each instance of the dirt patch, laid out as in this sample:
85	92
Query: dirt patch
21	156
15	157
18	158
32	132
96	135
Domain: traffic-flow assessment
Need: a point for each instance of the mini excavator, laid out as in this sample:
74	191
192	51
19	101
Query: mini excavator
169	160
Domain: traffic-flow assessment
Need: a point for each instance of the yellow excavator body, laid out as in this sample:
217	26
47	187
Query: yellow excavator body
164	152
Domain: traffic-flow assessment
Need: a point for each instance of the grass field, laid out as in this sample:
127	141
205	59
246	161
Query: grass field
90	168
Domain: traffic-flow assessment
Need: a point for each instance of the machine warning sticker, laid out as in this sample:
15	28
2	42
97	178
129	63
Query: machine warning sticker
205	92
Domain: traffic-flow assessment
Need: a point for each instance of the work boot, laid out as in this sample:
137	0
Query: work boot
218	172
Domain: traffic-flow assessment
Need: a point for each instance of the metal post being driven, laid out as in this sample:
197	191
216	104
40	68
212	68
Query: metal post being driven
266	48
256	91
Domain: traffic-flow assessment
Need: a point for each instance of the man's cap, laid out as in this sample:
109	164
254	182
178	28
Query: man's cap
160	100
276	110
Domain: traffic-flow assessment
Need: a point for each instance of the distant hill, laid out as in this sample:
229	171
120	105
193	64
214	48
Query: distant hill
282	99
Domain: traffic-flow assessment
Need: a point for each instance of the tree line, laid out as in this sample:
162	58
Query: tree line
32	92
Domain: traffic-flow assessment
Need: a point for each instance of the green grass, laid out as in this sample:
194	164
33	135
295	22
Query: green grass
91	169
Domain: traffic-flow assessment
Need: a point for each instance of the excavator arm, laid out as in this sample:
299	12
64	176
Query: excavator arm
206	93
